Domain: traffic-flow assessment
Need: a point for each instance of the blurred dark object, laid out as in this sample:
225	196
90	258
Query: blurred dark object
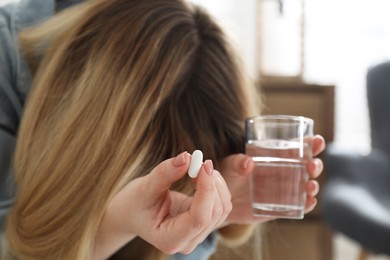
356	196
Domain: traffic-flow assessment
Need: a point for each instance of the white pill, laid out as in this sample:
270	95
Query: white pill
196	163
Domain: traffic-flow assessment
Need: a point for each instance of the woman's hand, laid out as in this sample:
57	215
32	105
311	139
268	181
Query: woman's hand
169	220
236	170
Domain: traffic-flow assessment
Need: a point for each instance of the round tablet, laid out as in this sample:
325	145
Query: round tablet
195	164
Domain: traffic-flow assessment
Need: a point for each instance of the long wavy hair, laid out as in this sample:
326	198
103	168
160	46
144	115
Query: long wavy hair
119	86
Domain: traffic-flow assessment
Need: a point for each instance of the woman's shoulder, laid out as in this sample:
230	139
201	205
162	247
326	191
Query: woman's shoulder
19	14
16	15
6	9
7	39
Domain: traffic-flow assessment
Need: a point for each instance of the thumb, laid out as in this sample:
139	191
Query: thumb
168	172
237	163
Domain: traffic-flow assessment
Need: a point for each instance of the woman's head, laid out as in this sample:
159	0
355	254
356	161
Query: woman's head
122	85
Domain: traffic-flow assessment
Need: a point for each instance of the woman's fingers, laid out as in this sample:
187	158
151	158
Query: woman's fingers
225	198
180	230
209	207
314	167
222	204
221	209
193	226
237	163
199	216
203	203
310	204
166	173
318	144
312	188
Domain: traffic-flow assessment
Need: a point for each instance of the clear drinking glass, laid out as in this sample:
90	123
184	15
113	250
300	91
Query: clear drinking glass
280	146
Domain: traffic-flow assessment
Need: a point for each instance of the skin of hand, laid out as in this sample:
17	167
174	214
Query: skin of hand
236	171
169	220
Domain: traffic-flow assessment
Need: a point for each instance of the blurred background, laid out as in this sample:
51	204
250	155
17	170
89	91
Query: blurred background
324	42
310	57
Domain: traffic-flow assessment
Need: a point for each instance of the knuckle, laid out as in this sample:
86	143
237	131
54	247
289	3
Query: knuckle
201	221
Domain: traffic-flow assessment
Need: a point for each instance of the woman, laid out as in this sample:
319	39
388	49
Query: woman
121	88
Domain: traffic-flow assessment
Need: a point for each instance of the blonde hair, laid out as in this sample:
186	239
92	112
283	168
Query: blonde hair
121	86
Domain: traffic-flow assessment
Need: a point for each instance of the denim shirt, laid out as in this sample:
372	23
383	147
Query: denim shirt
15	81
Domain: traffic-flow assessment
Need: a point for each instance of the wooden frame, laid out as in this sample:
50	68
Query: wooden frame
299	98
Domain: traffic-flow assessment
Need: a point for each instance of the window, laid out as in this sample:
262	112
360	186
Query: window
342	39
281	28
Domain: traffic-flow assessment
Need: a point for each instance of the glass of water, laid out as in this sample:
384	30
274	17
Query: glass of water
280	146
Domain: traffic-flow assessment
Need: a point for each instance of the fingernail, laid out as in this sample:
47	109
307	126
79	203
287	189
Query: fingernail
209	167
180	159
